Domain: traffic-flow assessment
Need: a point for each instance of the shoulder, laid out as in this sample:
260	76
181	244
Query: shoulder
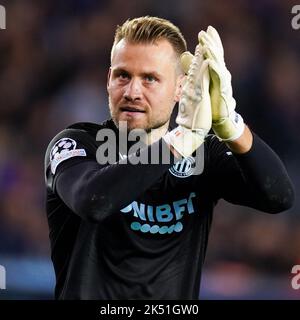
83	133
77	140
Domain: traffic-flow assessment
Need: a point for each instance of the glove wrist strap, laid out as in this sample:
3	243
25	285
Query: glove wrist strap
185	141
230	128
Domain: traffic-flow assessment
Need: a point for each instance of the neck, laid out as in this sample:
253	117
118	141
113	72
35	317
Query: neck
155	134
148	138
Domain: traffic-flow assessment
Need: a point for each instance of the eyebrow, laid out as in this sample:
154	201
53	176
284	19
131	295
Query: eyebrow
143	74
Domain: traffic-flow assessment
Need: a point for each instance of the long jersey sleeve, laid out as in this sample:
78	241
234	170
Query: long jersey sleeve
124	231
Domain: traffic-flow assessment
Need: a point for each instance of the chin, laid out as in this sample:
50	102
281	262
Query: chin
132	123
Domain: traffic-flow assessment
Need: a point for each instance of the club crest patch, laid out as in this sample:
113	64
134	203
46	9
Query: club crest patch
183	168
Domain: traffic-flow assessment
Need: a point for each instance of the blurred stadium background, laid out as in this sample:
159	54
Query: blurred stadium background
54	57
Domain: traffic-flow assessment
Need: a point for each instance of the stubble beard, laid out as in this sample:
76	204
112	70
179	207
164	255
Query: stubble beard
147	127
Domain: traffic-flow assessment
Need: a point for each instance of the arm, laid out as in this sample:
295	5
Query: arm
242	144
94	191
256	178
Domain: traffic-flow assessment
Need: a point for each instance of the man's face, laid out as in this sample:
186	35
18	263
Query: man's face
143	84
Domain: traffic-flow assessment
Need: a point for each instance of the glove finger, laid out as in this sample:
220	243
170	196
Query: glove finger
209	53
204	72
200	35
216	37
201	38
203	113
214	33
213	66
186	60
198	57
208	43
204	37
196	63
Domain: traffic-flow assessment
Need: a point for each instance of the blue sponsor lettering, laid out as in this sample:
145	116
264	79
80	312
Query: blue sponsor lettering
160	214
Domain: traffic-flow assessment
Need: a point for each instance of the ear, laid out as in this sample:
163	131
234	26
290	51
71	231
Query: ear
108	78
179	85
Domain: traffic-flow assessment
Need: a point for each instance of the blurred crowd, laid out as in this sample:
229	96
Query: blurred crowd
54	58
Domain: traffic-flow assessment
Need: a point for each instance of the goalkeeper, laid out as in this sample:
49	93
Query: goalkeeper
125	231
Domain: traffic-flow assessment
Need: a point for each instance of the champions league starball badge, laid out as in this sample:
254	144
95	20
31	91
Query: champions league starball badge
64	149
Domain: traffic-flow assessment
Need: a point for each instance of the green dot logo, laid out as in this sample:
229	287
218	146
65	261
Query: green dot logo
136	226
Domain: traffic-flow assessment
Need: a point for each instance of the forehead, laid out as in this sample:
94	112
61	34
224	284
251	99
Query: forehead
159	54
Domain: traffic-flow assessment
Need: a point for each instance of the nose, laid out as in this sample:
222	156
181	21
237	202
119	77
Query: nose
133	90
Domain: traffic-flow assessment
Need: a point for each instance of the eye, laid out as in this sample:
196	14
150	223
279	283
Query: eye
123	75
150	78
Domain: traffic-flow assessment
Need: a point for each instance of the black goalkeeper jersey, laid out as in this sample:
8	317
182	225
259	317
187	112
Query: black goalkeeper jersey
124	231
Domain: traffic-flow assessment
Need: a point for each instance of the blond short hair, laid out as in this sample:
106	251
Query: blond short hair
148	30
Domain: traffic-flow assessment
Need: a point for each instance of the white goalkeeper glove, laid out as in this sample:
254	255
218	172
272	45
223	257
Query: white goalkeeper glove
226	123
194	114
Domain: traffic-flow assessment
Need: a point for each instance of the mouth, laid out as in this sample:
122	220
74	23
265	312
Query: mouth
132	109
